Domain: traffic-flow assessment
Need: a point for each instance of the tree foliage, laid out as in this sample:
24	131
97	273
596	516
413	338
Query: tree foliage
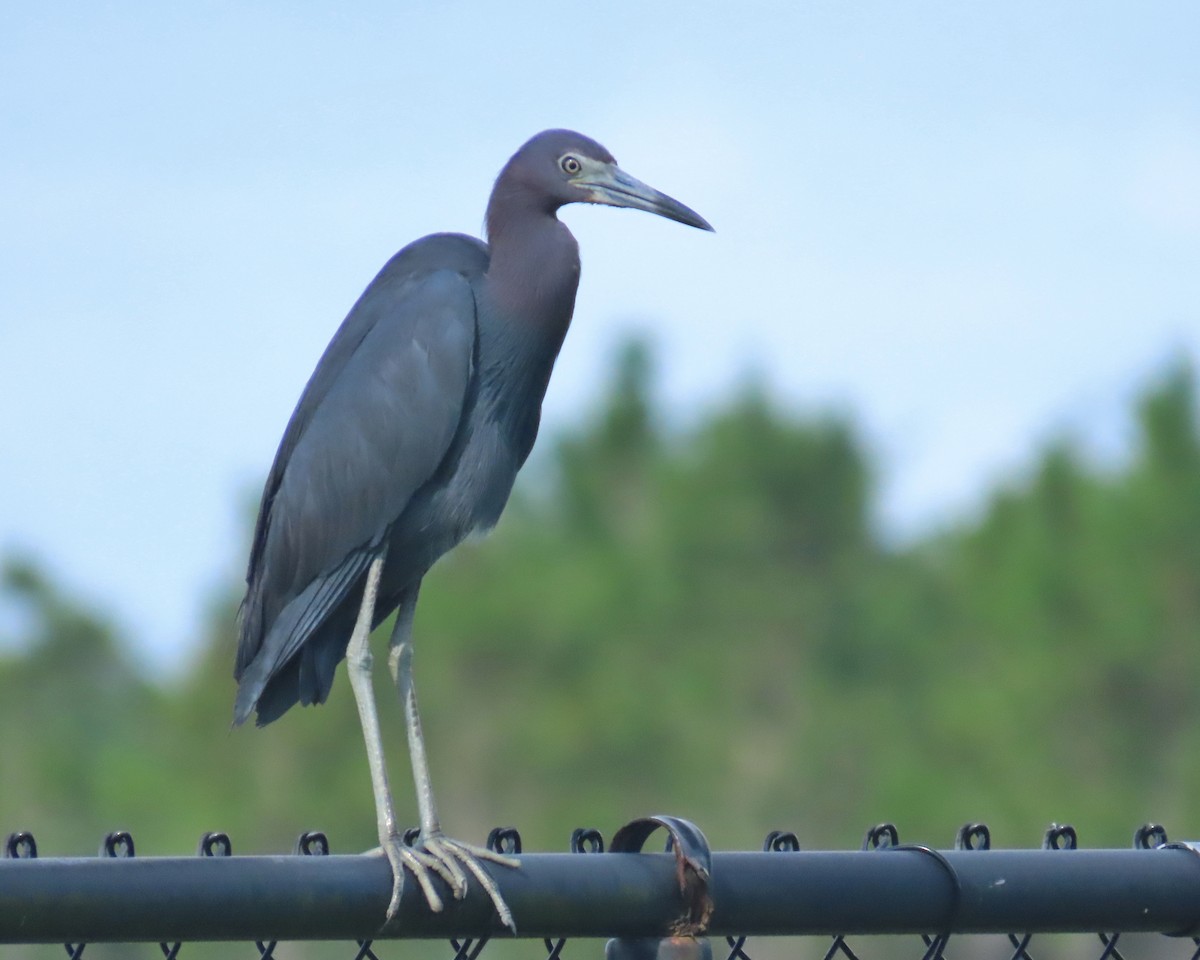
705	622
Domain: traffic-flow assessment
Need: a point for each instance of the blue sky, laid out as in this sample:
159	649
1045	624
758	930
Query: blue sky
973	227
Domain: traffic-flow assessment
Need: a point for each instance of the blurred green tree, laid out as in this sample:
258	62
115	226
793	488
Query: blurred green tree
704	621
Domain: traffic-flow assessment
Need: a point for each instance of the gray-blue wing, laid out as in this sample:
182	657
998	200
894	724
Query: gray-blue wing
372	427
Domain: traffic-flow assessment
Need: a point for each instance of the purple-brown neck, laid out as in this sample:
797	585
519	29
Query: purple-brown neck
534	260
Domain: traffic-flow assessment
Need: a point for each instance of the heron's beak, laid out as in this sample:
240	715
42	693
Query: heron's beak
614	186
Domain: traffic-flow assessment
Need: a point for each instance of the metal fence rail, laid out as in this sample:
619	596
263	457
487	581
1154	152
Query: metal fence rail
886	888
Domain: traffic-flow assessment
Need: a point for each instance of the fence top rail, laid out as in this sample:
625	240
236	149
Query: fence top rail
896	889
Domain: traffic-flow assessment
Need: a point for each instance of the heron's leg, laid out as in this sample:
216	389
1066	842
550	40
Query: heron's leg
358	664
451	853
400	652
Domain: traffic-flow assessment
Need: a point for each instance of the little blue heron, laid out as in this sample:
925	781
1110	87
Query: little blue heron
407	439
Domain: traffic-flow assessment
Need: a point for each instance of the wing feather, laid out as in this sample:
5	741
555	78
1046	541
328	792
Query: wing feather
372	426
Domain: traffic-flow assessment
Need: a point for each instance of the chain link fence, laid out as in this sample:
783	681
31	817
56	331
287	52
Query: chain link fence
687	903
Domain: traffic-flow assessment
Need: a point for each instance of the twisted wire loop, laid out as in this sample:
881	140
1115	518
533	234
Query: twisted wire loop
20	845
839	945
583	840
1060	837
973	836
468	949
214	845
1150	836
364	951
978	836
880	836
885	837
1110	946
314	843
777	841
118	845
505	840
1019	944
736	945
1146	837
1065	837
781	841
587	840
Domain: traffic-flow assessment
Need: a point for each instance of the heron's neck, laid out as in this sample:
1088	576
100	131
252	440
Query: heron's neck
533	271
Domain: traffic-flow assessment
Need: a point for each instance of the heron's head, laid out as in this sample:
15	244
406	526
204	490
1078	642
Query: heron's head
561	166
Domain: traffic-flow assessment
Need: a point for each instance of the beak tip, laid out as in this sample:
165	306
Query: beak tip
619	189
689	217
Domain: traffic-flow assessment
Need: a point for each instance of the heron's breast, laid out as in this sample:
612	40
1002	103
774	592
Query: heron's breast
484	478
466	501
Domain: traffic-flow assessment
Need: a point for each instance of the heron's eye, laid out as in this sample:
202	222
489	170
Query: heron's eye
570	165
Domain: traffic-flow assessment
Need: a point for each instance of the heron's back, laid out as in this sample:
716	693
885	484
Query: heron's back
374	425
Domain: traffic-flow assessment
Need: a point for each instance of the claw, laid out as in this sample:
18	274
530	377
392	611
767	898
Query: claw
445	857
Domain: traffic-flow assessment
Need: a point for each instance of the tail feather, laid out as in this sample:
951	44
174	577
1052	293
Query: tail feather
293	663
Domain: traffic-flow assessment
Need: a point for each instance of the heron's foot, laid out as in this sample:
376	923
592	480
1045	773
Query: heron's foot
447	858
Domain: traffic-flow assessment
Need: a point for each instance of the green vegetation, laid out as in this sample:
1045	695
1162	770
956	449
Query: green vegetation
704	623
